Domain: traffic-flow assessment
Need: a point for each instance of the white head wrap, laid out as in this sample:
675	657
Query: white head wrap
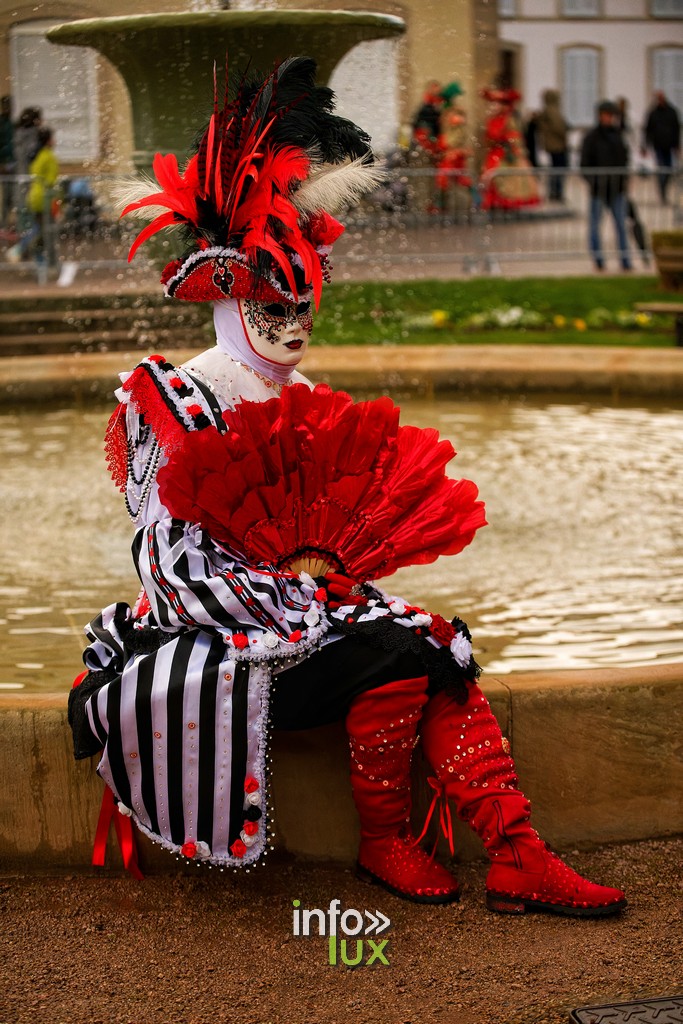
232	339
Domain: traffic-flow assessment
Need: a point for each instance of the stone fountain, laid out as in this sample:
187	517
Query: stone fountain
166	59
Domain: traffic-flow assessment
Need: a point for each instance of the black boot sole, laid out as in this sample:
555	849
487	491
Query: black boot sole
505	904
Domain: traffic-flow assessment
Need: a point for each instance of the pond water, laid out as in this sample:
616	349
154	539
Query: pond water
581	565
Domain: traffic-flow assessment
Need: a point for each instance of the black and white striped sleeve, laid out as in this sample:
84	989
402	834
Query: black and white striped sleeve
186	588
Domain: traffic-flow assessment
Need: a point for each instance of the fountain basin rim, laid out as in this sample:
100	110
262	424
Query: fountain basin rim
68	32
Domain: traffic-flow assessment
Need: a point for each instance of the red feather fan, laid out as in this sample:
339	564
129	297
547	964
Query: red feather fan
313	481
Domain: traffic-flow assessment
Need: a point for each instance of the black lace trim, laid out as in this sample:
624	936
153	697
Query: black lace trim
86	743
145	640
135	641
443	671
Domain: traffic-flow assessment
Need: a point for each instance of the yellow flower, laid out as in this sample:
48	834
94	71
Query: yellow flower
439	317
559	320
642	319
580	325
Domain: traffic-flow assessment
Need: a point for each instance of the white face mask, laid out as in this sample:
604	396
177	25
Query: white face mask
277	331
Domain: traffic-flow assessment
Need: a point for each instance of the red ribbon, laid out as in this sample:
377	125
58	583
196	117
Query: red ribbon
124	833
445	820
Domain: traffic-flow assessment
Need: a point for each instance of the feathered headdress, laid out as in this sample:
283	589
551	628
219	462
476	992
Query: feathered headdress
257	198
506	96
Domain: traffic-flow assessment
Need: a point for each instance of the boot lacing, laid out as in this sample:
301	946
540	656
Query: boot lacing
445	820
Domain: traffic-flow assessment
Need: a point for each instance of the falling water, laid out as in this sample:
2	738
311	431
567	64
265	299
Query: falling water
581	565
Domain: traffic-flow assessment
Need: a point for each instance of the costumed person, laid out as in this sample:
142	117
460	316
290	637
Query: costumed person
505	151
425	142
453	152
258	600
427	120
438	131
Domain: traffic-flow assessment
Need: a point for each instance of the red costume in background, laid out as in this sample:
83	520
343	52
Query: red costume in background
437	130
505	151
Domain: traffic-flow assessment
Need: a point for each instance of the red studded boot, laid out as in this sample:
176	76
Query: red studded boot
382	727
464	745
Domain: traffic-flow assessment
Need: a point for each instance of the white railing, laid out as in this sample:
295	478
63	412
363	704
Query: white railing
419	214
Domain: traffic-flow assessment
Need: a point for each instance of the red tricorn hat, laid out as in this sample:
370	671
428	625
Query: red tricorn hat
257	197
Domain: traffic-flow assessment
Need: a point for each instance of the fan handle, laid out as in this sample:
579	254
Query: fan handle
310	564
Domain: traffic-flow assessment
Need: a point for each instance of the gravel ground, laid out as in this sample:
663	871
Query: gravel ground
210	947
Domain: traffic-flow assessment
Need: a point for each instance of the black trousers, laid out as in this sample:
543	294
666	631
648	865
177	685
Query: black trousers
320	690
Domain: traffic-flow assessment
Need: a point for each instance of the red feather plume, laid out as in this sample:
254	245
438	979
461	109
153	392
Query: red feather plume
178	194
312	474
235	192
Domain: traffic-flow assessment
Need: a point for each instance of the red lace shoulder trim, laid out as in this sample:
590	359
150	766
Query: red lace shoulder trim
116	447
168	400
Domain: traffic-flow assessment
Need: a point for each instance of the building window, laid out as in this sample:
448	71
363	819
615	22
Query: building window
507	8
62	82
580	84
581	8
667	73
667	8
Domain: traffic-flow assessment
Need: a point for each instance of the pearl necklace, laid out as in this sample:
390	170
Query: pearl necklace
277	388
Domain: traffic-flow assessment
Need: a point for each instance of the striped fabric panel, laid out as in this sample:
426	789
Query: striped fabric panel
98	726
114	757
185	727
192	739
239	755
172	678
106	645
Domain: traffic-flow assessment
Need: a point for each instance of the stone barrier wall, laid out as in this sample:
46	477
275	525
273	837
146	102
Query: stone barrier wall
599	753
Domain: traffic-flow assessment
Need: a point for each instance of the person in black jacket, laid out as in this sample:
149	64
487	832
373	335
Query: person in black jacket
662	134
603	153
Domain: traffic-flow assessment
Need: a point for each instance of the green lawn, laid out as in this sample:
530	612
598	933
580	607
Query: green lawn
390	313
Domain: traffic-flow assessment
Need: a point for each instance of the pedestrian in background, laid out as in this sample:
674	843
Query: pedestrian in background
552	131
26	142
41	199
662	134
603	154
26	146
624	121
7	165
531	136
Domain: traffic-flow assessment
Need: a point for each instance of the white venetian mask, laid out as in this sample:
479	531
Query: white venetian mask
277	331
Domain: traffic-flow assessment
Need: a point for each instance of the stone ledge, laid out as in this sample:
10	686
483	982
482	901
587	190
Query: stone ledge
422	369
598	752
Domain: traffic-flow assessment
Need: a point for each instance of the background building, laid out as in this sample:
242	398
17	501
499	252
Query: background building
588	49
592	50
379	84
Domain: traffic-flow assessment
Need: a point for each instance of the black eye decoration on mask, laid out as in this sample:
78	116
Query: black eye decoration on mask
269	318
277	310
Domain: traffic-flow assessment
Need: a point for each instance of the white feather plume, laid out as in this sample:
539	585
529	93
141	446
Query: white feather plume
331	187
132	190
